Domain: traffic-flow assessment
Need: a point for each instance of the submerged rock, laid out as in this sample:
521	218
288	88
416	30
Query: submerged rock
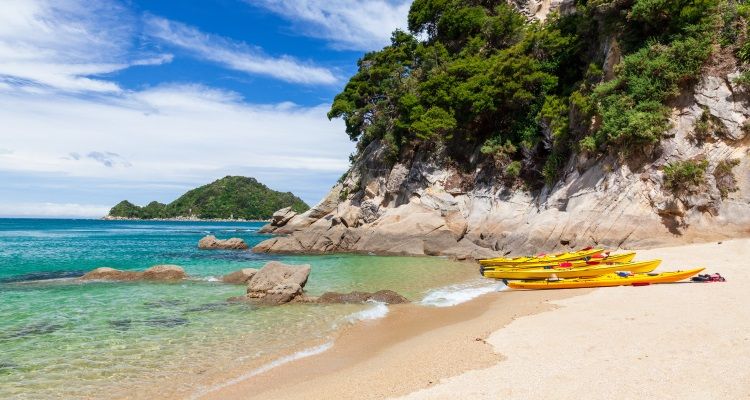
39	328
111	274
164	273
382	296
276	283
210	242
239	277
155	273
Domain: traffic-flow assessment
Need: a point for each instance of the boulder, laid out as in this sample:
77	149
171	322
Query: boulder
282	216
164	273
155	273
239	277
210	242
111	274
382	296
277	283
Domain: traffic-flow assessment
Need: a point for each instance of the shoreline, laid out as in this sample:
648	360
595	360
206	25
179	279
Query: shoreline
484	347
390	342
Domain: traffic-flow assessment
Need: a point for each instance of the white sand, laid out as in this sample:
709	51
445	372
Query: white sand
679	341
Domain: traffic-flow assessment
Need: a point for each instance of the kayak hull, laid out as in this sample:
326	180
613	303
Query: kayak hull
581	272
607	281
614	258
575	255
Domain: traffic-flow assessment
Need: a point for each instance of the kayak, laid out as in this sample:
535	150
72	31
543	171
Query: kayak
567	256
561	271
594	260
607	280
580	272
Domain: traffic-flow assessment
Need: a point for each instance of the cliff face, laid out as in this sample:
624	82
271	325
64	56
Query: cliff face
428	207
425	204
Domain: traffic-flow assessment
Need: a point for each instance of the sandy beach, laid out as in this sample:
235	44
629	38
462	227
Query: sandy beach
680	341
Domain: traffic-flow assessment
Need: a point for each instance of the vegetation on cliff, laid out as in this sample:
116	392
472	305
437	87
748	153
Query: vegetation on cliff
475	78
228	197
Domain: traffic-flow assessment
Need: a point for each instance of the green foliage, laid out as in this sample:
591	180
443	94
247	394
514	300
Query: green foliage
513	169
707	126
743	80
682	175
125	209
726	182
587	144
231	196
434	124
485	79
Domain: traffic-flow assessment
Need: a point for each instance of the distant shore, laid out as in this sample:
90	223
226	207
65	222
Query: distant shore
186	219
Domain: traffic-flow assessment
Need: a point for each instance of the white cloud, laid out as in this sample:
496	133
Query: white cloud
165	134
66	44
348	24
233	55
53	210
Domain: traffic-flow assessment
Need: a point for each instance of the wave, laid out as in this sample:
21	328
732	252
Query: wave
452	295
378	310
267	367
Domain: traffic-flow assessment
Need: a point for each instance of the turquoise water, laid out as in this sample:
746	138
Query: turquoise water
60	338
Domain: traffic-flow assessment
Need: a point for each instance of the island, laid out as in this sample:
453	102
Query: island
230	198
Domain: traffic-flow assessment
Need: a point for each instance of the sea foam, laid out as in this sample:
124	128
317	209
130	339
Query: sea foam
311	351
452	295
378	310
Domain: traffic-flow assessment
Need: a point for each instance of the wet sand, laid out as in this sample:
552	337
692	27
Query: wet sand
412	347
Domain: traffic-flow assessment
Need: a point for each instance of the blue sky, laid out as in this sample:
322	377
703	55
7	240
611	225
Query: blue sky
145	99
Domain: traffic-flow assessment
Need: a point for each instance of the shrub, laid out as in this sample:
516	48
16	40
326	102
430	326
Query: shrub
587	144
513	169
683	175
726	182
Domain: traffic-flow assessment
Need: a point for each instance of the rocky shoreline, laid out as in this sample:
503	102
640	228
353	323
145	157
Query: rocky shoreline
425	205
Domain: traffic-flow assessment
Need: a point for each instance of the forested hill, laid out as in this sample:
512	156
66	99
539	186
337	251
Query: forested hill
478	81
230	197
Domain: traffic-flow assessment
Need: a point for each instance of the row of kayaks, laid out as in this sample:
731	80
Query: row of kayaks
587	267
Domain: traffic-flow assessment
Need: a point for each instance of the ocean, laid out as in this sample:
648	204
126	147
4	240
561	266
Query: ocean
61	338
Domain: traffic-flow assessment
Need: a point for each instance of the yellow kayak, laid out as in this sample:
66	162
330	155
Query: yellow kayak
607	280
567	256
580	272
608	259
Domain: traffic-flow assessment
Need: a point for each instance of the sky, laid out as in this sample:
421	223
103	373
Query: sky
107	100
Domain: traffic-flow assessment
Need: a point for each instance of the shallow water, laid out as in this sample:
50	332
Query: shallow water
63	339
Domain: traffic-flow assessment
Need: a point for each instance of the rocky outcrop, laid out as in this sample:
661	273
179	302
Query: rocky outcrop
424	206
155	273
210	242
381	296
539	9
279	218
276	283
240	277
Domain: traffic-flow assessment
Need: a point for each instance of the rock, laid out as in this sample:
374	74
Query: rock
210	242
111	274
164	273
239	277
369	211
155	273
282	216
721	101
277	283
382	296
